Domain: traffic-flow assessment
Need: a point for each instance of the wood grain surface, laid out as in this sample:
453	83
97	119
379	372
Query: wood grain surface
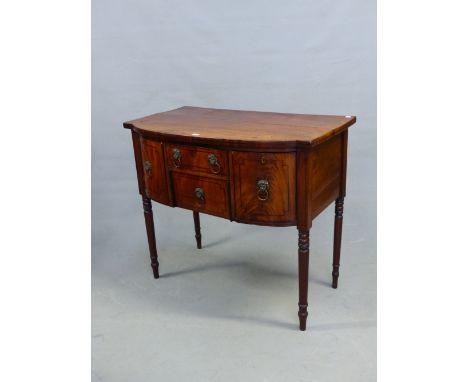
215	200
154	171
279	170
240	128
195	158
252	167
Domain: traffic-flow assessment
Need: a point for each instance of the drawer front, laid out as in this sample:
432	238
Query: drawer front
264	187
201	194
198	159
153	170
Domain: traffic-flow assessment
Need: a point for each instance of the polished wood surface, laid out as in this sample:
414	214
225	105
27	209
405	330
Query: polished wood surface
195	158
303	271
251	167
238	128
337	240
154	171
324	175
278	205
149	222
138	162
212	198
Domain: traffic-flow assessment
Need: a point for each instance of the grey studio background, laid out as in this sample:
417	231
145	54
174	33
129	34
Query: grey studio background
228	312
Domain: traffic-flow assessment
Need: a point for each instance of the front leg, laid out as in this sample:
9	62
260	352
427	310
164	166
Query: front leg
150	233
303	255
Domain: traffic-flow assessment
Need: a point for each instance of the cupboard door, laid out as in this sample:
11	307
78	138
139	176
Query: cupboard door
154	170
264	187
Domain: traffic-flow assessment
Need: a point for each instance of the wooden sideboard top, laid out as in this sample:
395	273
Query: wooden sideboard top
263	129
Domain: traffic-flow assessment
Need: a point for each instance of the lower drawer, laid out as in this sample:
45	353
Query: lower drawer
201	194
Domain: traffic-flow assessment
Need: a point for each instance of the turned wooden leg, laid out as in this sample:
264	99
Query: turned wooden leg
337	240
196	220
151	237
303	255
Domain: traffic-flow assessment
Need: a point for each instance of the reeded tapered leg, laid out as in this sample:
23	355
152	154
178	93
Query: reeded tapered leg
337	240
303	255
151	237
196	220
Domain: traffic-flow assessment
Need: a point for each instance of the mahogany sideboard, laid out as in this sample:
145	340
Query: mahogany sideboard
262	168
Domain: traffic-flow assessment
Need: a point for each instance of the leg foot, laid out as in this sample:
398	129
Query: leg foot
151	236
303	256
337	240
196	220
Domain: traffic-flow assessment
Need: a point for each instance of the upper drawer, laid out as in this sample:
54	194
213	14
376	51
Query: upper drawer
201	159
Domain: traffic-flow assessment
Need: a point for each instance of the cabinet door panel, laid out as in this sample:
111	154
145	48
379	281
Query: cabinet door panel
154	170
264	187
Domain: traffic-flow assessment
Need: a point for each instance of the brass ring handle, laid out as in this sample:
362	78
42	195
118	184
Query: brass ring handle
214	165
148	167
200	194
177	156
262	189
